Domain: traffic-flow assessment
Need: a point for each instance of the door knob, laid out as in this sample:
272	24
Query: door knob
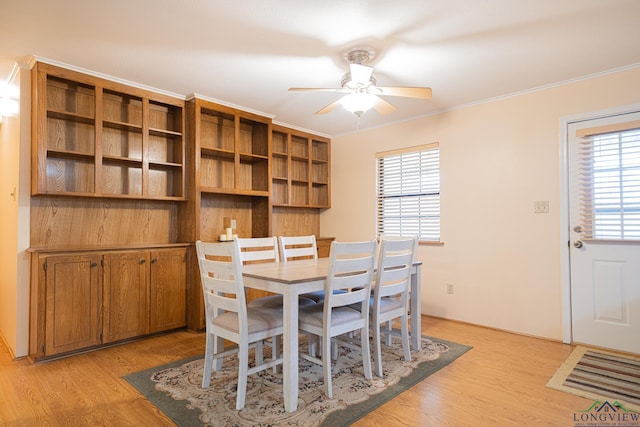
578	244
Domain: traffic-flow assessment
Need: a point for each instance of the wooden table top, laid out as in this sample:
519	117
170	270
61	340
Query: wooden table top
289	272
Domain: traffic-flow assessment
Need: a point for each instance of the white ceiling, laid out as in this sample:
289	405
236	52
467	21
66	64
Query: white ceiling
248	53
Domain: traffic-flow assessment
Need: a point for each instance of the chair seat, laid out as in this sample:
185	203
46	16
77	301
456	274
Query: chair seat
275	302
388	304
318	296
259	319
313	316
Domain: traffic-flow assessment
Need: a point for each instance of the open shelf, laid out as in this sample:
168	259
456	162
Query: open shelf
96	137
233	149
300	169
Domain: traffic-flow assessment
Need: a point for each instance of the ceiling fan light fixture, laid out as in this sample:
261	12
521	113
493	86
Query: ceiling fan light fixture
358	103
361	88
360	74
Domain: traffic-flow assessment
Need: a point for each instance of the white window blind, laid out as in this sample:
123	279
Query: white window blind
408	189
610	183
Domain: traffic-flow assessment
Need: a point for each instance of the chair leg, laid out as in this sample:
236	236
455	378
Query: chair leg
334	350
388	333
326	365
275	351
404	330
366	354
313	344
259	353
243	368
377	353
218	347
208	360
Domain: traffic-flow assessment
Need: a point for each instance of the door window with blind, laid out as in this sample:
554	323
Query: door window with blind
408	191
609	159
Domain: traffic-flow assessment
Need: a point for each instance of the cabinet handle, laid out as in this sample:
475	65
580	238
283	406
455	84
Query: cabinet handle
155	260
142	261
93	264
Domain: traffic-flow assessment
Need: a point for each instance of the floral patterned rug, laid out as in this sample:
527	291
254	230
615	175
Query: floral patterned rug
176	388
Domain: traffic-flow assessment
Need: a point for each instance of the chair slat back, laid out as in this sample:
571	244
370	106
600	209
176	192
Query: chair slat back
350	269
221	277
303	247
258	249
395	261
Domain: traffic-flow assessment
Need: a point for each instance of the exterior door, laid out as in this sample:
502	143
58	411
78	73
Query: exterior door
604	221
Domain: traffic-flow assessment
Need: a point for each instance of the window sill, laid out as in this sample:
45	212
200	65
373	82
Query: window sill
429	243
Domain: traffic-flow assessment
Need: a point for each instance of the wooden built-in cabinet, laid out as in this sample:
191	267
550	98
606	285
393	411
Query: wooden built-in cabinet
86	299
230	178
121	174
96	138
108	176
230	175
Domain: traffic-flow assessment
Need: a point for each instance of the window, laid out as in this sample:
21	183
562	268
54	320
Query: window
610	176
408	189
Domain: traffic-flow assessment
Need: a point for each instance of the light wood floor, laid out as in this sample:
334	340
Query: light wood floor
501	381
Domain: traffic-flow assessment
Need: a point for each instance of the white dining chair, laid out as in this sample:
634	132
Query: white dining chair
390	292
301	247
260	249
229	318
298	247
351	272
264	249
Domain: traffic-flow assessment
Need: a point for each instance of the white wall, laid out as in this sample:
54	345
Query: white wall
14	222
497	158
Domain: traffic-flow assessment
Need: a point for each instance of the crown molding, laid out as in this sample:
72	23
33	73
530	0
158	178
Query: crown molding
228	104
35	59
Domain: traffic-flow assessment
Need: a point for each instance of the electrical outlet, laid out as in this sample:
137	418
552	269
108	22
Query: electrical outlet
233	224
450	288
541	206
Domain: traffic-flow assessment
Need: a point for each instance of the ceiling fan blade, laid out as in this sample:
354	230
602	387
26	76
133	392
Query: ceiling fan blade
382	106
314	89
329	107
360	73
408	92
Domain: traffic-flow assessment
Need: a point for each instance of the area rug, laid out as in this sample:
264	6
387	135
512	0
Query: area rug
600	375
176	389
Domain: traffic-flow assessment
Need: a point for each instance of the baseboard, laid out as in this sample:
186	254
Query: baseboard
12	355
462	322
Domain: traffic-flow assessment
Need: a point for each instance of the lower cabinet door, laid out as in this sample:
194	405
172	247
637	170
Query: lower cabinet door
126	295
73	319
168	289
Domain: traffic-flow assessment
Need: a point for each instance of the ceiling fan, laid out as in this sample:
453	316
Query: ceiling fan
361	91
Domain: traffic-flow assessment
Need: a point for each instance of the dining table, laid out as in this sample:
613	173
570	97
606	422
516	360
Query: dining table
294	278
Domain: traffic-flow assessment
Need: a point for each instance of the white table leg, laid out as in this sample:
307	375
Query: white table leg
290	350
416	311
